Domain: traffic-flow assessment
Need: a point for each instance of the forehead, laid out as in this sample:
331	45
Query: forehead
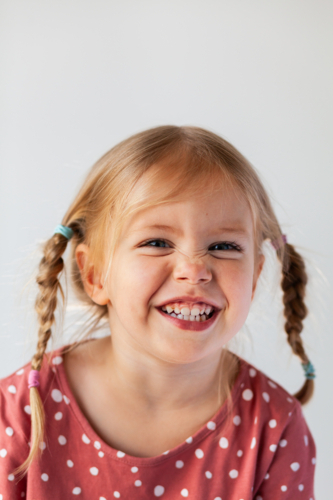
222	208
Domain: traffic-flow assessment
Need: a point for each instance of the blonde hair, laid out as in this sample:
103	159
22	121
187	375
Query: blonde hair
186	160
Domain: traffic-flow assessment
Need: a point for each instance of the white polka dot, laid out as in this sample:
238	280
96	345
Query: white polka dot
85	439
313	460
62	440
93	471
158	491
58	415
224	443
11	477
306	440
252	372
284	488
189	440
67	401
56	395
134	469
258	498
165	452
101	454
253	443
70	463
217	498
45	477
179	464
283	443
27	409
267	476
3	453
237	420
294	466
273	447
137	482
255	420
289	400
272	384
42	445
301	487
233	473
184	493
266	397
199	453
20	372
57	360
239	453
272	423
208	474
211	426
12	389
97	445
9	431
116	494
120	454
76	491
247	394
102	498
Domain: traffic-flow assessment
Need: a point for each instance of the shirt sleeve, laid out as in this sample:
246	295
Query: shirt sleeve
14	448
291	472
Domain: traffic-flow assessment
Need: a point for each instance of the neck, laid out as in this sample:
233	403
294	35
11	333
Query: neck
158	387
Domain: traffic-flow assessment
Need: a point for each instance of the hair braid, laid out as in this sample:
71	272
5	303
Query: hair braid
50	267
293	285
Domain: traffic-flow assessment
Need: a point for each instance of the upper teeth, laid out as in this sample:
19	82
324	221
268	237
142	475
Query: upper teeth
186	311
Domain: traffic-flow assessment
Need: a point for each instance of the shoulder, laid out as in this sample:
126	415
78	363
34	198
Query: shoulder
15	408
14	402
271	422
268	398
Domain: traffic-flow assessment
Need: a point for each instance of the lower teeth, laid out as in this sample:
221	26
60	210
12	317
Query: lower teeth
200	318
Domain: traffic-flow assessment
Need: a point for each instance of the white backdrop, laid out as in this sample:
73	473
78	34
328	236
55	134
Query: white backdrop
79	76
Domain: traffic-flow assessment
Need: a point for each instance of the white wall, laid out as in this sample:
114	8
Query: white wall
78	76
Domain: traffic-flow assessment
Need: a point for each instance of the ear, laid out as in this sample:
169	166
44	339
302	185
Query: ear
91	277
257	272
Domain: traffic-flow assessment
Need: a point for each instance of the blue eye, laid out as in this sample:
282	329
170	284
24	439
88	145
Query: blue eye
231	246
156	244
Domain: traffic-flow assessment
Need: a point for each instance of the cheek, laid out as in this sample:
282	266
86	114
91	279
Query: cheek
136	282
236	283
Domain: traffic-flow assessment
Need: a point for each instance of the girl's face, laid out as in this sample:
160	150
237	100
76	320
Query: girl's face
183	258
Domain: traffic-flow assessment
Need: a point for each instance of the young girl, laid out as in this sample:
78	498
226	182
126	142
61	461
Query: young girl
166	243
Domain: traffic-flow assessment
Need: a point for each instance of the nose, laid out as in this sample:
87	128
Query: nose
192	271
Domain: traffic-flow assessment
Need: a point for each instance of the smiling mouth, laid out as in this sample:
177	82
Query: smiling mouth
195	315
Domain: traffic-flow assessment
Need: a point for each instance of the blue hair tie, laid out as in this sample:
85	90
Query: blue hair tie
309	370
64	230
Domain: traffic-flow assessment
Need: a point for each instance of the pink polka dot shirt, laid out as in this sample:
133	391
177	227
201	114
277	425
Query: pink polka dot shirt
266	452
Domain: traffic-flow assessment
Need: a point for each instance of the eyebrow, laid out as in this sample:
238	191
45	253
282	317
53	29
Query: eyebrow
162	227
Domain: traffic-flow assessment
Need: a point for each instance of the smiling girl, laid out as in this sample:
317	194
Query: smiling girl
166	243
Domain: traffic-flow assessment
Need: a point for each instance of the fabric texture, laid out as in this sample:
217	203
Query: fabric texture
266	452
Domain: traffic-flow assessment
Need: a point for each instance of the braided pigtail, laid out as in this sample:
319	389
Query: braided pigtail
49	285
294	280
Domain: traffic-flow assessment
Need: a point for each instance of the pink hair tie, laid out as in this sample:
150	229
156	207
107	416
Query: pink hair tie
279	242
33	378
